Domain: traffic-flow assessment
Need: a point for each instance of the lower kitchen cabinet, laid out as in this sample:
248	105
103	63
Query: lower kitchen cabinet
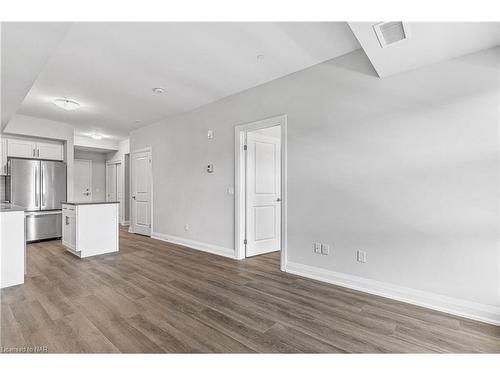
90	228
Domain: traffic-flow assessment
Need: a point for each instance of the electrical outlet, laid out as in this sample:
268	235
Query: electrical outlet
325	249
361	256
186	227
317	248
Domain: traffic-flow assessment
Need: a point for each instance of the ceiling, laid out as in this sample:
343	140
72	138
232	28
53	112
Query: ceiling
26	47
111	68
429	43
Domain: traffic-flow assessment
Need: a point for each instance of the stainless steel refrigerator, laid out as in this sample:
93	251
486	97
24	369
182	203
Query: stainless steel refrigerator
40	187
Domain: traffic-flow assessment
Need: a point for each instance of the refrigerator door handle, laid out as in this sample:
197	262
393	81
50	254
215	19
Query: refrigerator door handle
37	184
43	186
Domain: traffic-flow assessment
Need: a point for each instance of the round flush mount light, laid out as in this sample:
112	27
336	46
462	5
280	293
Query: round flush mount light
158	90
67	104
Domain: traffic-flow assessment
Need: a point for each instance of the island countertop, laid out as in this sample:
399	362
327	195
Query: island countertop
80	203
9	207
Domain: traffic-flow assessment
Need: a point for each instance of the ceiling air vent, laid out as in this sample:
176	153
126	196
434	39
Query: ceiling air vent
389	33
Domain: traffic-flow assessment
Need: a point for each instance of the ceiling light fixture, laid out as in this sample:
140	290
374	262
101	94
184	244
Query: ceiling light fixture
67	104
96	136
158	90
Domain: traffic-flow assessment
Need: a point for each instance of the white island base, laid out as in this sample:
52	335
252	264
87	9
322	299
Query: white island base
90	228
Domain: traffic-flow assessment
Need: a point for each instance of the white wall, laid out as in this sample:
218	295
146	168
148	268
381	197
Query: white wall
405	168
98	172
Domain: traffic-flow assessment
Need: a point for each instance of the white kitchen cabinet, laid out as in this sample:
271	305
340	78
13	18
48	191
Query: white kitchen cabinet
12	247
69	227
3	156
90	228
22	148
51	151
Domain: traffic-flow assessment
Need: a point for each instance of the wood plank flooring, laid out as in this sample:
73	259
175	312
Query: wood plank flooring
154	297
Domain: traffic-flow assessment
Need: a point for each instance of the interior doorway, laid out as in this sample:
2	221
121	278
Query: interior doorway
260	218
82	183
114	185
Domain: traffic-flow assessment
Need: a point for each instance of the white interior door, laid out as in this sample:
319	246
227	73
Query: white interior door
119	188
111	182
263	194
82	182
141	192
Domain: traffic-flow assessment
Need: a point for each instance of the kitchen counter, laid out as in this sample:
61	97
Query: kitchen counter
9	207
81	203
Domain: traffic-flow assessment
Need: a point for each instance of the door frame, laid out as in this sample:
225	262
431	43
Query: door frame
121	182
132	177
240	185
91	182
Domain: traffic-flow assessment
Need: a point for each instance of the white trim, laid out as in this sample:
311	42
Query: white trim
239	187
208	248
467	309
125	223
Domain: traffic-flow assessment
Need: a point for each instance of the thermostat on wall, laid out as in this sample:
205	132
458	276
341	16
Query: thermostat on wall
210	168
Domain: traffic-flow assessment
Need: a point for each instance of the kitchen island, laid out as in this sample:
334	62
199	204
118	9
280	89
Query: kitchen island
12	245
90	228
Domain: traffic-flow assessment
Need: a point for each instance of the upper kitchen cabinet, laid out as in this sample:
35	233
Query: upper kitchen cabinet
3	156
51	151
22	148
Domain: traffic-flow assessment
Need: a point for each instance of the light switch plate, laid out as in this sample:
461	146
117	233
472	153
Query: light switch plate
230	190
210	134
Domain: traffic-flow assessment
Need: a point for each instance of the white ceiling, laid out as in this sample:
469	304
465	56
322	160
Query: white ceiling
25	49
111	68
429	43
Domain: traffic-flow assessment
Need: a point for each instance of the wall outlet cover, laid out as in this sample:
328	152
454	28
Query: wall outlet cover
361	256
325	249
317	247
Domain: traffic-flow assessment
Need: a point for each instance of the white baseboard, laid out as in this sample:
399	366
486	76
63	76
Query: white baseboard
125	223
208	248
467	309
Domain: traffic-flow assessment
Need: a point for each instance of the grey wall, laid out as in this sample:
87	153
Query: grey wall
98	172
405	168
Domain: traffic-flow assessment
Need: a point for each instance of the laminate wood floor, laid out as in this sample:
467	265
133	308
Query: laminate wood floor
156	297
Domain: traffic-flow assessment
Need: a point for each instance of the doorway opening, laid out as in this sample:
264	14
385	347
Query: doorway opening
82	182
260	188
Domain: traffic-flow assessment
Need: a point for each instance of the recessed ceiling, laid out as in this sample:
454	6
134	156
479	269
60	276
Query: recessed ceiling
26	46
111	69
429	43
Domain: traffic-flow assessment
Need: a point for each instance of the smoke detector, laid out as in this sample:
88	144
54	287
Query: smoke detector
389	33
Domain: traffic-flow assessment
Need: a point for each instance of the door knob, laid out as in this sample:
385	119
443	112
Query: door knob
133	196
278	200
